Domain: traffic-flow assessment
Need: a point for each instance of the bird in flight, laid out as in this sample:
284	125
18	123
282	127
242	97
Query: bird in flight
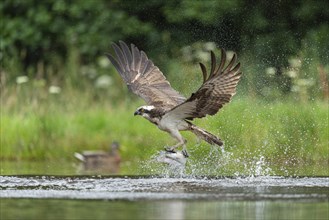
168	109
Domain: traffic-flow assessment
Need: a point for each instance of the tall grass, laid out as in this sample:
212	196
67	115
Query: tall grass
54	126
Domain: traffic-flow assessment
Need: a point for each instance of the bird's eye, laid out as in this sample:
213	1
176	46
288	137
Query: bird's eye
142	110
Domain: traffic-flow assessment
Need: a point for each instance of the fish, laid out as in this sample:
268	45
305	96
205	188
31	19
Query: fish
173	158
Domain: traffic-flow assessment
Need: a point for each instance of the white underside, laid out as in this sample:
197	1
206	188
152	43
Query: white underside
171	124
173	127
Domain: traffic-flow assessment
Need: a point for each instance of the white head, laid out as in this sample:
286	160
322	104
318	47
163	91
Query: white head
144	110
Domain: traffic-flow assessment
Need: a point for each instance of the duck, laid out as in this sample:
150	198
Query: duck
101	160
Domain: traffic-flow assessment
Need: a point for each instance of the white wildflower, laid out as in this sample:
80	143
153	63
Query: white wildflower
291	73
271	71
103	62
54	90
22	79
305	82
209	46
103	82
295	62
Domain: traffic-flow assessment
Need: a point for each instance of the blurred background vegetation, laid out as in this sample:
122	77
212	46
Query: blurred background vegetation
59	93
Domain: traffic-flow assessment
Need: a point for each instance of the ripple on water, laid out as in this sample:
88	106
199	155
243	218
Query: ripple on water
147	187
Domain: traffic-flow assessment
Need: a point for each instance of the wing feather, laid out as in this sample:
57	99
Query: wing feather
214	93
204	72
213	62
232	62
121	58
127	54
222	61
144	78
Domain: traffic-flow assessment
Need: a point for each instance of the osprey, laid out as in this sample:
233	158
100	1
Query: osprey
167	108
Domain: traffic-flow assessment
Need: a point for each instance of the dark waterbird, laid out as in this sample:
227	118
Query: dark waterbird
101	160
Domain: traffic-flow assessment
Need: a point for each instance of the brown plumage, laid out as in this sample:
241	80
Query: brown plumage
144	78
101	160
217	89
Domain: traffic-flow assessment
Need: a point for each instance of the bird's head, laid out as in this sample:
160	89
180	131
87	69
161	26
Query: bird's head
144	111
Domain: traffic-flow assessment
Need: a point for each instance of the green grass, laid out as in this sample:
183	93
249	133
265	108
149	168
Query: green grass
283	135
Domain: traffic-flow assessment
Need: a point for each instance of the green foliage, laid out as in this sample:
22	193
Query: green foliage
57	40
47	31
205	12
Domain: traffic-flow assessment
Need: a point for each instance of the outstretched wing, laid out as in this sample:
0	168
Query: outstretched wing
217	89
144	78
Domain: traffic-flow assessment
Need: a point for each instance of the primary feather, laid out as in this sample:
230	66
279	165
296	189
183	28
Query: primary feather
217	89
143	77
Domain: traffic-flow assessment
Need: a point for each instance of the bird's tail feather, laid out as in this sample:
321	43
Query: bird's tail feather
206	136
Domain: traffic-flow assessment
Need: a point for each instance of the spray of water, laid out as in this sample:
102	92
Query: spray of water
215	162
160	165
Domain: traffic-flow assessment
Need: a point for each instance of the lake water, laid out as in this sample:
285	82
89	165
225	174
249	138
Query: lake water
155	197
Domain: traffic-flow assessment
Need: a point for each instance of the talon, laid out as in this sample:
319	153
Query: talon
170	149
184	152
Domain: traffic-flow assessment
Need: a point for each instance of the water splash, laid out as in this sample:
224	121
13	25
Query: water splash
175	162
260	167
213	161
165	164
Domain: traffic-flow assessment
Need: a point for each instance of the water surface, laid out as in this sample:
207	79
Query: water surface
160	188
153	197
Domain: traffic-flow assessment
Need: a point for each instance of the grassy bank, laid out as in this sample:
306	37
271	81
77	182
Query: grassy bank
54	127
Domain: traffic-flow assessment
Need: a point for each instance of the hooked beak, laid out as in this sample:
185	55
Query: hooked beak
136	113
